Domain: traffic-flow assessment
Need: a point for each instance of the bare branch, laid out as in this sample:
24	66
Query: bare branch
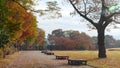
84	16
108	17
102	17
84	6
116	21
32	10
107	23
91	10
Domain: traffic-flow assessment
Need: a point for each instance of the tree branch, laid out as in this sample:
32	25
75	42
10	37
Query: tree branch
107	23
108	17
102	17
84	6
116	21
28	9
89	11
20	4
84	16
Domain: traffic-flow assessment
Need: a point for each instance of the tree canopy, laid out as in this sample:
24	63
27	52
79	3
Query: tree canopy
99	13
70	40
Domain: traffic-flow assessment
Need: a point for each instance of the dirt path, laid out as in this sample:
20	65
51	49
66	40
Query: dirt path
36	59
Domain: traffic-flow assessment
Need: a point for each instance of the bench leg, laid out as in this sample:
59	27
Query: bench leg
85	62
69	62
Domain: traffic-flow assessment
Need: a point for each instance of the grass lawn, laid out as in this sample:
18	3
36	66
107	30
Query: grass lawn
112	60
7	59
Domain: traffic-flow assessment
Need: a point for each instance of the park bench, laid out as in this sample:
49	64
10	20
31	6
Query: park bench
43	51
77	61
62	57
49	53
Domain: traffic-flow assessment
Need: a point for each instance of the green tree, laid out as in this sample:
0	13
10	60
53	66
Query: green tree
11	21
4	12
99	14
4	38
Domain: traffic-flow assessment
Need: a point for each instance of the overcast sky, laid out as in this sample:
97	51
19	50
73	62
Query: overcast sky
68	22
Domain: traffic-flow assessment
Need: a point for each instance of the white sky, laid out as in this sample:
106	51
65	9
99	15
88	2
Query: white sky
68	22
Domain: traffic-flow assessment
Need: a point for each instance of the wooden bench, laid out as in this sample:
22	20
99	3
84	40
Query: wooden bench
43	51
77	62
62	57
49	53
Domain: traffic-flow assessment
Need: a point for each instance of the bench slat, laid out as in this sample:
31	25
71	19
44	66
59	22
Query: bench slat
77	62
49	53
62	57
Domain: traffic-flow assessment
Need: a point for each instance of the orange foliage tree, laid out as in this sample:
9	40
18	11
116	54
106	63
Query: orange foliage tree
16	16
41	36
24	26
71	40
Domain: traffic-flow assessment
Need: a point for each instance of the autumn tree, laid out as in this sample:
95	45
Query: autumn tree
18	21
29	20
83	41
99	13
41	36
71	40
5	24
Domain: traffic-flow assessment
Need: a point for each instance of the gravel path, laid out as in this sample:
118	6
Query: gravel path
36	59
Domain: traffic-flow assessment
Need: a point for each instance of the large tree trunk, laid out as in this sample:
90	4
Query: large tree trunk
101	45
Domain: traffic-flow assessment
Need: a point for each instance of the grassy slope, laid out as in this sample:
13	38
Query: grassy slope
112	60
